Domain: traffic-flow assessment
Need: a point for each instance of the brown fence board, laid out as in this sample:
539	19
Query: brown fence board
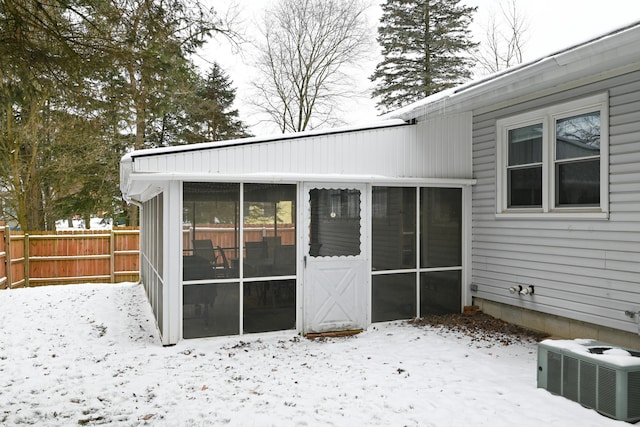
70	257
16	260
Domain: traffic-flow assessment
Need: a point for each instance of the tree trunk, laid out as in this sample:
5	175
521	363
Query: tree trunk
133	215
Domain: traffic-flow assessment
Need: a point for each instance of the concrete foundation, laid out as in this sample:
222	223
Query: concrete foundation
556	326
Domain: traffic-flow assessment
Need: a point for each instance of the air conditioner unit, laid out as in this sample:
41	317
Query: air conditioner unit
595	374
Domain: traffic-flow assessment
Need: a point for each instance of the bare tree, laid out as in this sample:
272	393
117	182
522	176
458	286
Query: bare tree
505	39
308	47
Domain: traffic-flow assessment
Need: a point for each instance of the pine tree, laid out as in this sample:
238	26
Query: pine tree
425	46
81	83
211	115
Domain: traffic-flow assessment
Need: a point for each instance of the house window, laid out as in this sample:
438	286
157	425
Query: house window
524	169
577	160
554	161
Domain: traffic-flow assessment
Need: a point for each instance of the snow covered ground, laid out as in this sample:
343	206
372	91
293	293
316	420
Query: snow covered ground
90	355
79	224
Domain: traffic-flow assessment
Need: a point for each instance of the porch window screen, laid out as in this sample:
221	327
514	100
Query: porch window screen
405	284
210	230
269	250
393	228
393	297
335	222
440	292
269	247
210	310
440	227
239	261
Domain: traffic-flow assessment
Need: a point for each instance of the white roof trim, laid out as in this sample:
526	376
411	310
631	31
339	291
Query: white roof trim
143	186
264	138
292	178
616	50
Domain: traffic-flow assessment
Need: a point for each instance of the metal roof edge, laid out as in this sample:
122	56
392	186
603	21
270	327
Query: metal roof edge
381	124
149	177
143	186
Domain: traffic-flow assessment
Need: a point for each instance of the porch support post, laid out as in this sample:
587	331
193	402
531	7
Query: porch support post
466	244
172	263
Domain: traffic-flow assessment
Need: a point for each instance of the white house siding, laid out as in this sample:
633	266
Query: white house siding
587	270
395	152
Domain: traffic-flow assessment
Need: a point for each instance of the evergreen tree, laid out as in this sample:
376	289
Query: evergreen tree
45	94
425	45
211	116
81	83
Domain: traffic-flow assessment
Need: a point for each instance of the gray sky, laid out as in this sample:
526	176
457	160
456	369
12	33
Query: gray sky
553	25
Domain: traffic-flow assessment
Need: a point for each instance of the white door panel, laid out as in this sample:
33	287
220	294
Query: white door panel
335	261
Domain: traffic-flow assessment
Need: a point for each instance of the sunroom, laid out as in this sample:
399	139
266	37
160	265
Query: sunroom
316	232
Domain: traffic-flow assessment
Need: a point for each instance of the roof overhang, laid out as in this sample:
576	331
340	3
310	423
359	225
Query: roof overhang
139	186
609	55
144	186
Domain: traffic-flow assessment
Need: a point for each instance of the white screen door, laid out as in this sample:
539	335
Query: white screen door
335	263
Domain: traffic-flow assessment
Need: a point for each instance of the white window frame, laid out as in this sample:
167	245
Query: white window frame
547	117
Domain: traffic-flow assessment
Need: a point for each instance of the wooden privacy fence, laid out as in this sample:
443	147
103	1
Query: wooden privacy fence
47	258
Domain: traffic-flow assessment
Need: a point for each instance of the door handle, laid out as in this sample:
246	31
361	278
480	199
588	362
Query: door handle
304	260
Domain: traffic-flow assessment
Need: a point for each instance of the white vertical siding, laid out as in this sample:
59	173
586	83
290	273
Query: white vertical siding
446	152
588	270
436	148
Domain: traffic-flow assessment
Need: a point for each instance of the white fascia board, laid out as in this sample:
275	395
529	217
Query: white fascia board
151	178
143	186
126	166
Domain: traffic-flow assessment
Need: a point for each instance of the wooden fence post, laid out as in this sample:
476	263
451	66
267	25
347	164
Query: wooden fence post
7	250
26	260
112	256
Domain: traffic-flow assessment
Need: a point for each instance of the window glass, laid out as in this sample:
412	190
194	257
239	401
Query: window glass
441	227
525	145
578	183
269	230
393	228
554	165
525	187
393	297
334	229
524	178
210	230
577	171
578	136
